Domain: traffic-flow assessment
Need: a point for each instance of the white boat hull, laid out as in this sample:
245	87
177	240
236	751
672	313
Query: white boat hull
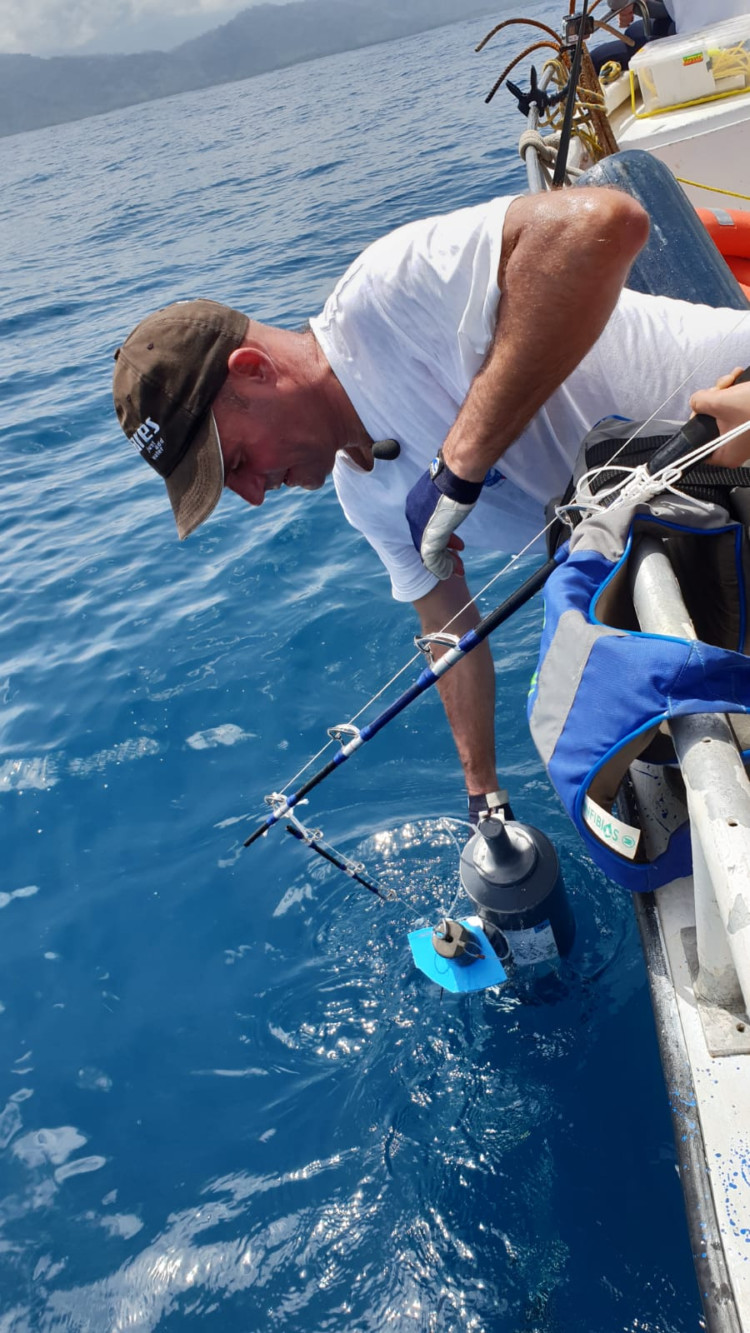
707	144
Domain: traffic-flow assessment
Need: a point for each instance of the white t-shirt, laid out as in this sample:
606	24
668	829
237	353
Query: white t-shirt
689	15
408	327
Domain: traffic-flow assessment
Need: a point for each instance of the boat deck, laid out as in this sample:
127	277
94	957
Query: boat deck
706	143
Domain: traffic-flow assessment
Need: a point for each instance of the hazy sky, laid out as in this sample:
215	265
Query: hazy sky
52	27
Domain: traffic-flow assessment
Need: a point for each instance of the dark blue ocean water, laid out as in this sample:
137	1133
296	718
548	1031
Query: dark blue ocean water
229	1100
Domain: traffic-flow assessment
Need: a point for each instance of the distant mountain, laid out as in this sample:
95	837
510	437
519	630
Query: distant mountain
36	91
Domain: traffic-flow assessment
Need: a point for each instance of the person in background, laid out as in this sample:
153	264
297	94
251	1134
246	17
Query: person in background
661	25
667	18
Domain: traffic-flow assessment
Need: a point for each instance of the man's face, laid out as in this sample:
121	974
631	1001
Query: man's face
268	440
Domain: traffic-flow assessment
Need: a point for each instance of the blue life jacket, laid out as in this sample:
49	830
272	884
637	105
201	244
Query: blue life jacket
603	689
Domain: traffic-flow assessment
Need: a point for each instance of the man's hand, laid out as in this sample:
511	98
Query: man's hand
729	403
488	806
436	505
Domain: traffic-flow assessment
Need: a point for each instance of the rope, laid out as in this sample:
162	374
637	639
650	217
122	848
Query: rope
728	62
715	189
638	485
609	71
544	145
546	148
614	32
590	107
641	427
589	115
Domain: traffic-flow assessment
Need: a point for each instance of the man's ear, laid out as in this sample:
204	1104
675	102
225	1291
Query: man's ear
252	363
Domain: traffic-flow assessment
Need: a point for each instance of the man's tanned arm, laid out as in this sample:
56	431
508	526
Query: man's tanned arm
565	258
468	689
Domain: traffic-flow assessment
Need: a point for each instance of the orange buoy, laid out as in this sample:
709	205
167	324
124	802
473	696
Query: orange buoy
729	229
740	268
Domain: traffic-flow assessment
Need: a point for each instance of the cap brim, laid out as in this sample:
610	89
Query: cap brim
195	486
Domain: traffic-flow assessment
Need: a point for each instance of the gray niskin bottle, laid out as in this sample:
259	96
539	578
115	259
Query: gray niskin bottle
512	875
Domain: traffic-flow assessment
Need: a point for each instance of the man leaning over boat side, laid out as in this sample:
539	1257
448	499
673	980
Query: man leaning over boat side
416	344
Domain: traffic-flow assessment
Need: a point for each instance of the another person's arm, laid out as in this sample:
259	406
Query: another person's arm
729	403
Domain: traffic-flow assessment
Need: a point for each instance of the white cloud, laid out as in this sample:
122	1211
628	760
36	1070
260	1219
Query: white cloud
45	24
42	27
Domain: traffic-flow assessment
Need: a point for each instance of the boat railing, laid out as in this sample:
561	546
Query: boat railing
530	148
717	794
717	790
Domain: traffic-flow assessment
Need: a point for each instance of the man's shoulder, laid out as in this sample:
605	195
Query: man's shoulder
456	223
424	255
428	236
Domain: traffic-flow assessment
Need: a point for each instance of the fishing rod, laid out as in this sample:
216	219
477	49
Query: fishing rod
699	430
584	31
341	863
429	676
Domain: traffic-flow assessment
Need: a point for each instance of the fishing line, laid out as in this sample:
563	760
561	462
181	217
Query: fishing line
637	483
314	840
416	657
459	648
641	426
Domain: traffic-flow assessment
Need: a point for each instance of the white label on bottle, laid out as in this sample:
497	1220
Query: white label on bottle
535	945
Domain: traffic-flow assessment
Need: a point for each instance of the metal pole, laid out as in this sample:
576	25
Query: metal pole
534	173
718	800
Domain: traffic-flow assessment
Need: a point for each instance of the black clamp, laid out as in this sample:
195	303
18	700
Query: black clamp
536	96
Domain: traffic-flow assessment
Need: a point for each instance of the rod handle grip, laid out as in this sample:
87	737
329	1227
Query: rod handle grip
700	429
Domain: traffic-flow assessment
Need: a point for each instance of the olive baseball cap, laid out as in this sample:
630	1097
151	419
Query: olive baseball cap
167	374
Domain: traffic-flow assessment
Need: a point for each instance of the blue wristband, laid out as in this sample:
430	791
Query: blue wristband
454	487
436	505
